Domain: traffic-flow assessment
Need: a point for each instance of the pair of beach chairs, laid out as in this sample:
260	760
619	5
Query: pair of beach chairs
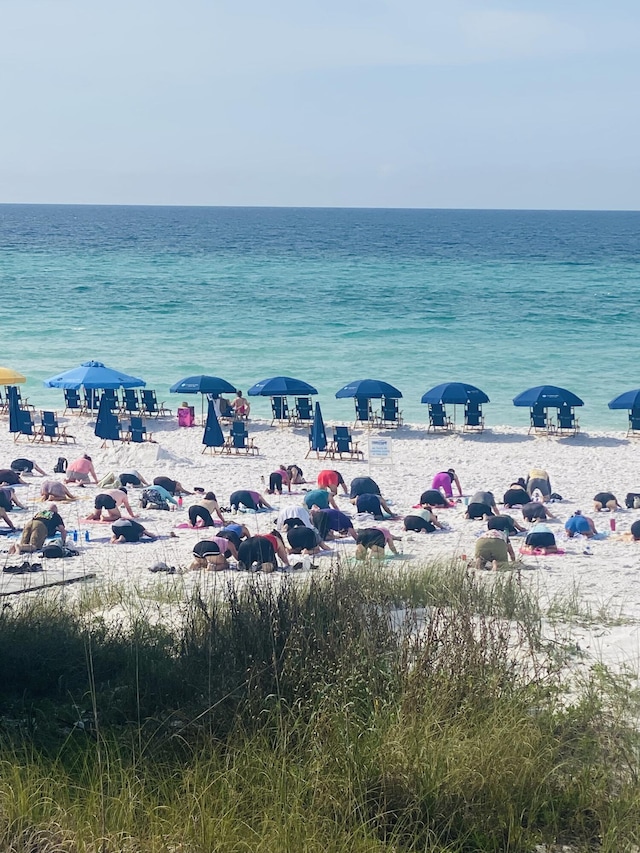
301	414
341	446
388	417
48	430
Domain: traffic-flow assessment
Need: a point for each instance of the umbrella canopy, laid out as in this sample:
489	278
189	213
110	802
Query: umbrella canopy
15	419
369	389
318	432
280	386
94	374
11	377
203	385
455	393
547	395
212	436
107	424
628	400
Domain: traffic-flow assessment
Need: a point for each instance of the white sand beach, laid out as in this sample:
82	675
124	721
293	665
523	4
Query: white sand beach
603	587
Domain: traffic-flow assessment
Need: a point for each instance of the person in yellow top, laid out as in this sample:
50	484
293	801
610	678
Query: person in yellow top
537	478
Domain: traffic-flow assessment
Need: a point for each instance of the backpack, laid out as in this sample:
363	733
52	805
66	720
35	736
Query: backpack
61	466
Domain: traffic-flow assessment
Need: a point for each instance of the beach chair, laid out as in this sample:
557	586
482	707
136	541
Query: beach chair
26	426
438	418
150	406
73	403
539	421
4	403
23	402
113	433
634	423
567	421
112	398
50	430
303	411
137	432
343	446
389	415
238	440
473	417
364	412
280	411
130	404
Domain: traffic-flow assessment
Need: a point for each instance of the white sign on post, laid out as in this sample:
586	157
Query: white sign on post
379	451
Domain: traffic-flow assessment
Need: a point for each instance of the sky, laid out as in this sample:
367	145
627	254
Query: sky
339	103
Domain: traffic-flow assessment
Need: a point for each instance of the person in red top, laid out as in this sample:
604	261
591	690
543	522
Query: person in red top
331	480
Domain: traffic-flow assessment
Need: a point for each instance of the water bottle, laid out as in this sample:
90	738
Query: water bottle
306	562
180	501
74	533
86	536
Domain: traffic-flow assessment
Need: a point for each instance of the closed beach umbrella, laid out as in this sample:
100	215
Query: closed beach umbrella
368	389
92	375
281	386
212	436
455	393
203	384
318	432
549	396
15	420
107	425
629	400
11	377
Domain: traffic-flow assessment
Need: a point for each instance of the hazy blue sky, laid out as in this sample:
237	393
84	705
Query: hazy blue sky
393	103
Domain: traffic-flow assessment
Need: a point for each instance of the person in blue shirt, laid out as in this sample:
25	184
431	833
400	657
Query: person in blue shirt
579	525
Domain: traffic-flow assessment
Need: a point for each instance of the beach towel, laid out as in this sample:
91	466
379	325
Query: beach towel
540	552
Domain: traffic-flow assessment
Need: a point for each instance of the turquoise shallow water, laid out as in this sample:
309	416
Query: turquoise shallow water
502	299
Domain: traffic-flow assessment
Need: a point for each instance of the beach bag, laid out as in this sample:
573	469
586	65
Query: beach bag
55	552
61	466
632	500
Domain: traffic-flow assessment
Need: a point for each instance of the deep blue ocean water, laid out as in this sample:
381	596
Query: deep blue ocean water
502	299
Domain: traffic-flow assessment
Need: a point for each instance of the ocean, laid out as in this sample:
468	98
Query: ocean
502	299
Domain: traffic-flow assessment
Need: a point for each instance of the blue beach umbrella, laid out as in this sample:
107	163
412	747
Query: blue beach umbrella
94	374
549	396
203	384
318	440
280	386
212	436
368	389
454	393
629	400
15	419
107	424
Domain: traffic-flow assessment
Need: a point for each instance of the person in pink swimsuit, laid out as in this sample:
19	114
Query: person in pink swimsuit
444	481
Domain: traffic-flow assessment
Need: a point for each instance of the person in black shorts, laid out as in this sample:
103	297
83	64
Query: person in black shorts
207	554
363	486
11	478
505	523
105	504
261	551
516	494
536	511
128	530
434	497
605	500
304	539
172	486
374	505
26	466
478	510
541	538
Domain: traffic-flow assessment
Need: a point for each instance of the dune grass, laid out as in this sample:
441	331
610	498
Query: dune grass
361	711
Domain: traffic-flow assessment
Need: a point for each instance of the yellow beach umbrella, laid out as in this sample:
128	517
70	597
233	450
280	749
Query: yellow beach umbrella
11	377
